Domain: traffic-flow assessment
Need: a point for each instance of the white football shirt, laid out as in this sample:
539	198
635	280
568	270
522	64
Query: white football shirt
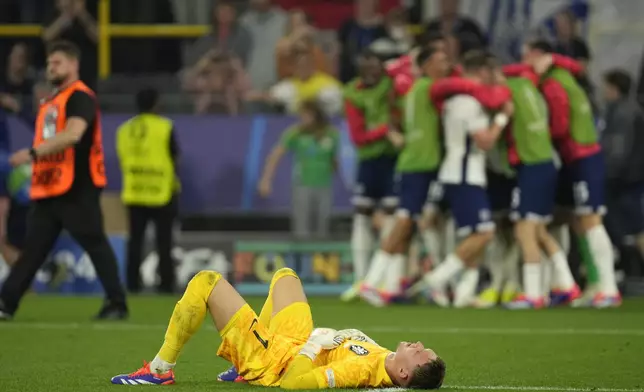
464	162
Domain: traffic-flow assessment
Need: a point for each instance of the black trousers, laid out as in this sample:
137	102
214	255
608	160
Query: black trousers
163	219
81	216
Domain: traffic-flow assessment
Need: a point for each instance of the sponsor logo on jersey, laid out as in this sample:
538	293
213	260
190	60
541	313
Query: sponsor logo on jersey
358	350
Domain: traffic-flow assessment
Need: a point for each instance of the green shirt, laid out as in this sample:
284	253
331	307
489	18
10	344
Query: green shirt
582	122
375	103
530	136
313	157
422	151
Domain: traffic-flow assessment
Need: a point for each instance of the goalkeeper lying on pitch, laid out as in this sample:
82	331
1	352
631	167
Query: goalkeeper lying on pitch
278	348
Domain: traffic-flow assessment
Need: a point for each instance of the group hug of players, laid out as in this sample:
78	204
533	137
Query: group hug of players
483	154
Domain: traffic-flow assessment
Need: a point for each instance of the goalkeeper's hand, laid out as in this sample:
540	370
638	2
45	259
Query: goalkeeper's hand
352	334
320	339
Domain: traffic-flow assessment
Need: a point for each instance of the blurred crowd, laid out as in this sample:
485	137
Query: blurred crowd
257	56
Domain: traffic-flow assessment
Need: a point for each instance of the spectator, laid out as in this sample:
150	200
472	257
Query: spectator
621	142
568	41
307	84
358	34
74	23
227	35
219	82
451	23
314	144
397	41
16	86
192	11
299	37
266	24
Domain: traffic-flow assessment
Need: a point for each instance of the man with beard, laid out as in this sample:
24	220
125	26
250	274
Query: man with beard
68	176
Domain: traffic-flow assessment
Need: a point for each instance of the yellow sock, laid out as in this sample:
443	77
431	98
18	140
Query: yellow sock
188	315
267	310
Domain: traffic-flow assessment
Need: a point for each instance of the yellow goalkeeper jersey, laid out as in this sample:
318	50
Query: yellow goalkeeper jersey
354	364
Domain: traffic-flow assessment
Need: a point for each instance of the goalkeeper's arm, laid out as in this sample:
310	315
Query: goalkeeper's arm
299	375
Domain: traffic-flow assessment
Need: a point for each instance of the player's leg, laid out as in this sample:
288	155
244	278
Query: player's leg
42	231
289	310
495	263
83	219
529	214
433	223
430	228
245	339
471	210
284	290
362	236
164	219
206	292
394	248
499	191
137	221
376	183
413	192
383	189
511	263
16	232
565	220
323	209
562	282
301	211
589	201
558	279
388	192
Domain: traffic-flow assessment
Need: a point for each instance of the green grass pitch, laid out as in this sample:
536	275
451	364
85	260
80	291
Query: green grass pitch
52	347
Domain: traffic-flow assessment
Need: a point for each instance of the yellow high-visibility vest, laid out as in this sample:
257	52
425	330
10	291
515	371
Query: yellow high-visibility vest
143	147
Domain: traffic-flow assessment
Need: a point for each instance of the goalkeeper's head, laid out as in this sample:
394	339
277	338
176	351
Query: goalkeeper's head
417	367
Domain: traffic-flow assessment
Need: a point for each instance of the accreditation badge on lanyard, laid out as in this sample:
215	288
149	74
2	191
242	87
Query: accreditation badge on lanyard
49	124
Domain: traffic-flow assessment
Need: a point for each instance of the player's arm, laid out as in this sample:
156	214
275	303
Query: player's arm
273	160
478	125
516	70
348	373
402	84
568	63
358	126
81	111
396	66
491	97
300	375
558	107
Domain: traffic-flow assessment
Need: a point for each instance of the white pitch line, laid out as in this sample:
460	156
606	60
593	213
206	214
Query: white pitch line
536	388
376	329
518	388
